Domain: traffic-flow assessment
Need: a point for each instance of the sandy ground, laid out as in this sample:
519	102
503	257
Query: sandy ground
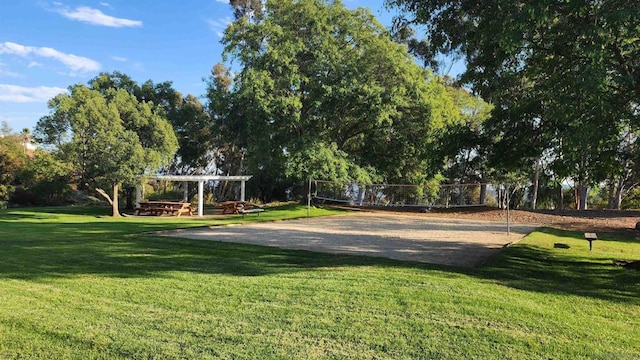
415	237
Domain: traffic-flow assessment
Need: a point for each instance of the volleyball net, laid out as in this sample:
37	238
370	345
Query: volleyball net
403	195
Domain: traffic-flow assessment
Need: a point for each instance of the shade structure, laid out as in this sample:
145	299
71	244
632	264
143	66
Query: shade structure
200	179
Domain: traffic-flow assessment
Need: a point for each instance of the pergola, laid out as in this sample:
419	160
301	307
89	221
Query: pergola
201	180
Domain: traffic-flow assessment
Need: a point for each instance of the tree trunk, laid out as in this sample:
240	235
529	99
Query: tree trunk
583	196
560	198
534	192
483	194
618	194
618	203
114	201
611	201
129	192
504	197
463	176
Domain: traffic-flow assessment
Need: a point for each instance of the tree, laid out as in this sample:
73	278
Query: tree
12	161
315	75
109	137
462	144
564	75
5	129
249	9
46	179
228	132
187	115
193	128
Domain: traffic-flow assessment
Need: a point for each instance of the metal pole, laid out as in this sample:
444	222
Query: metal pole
508	222
309	200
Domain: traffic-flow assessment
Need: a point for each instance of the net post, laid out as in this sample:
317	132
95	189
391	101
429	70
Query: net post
508	220
309	200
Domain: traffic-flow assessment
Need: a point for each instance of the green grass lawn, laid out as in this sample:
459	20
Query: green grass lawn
77	284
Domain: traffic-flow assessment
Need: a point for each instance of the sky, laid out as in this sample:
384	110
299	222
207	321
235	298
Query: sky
47	46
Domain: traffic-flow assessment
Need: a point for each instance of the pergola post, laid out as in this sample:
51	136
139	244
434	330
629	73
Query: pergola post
200	198
185	196
242	190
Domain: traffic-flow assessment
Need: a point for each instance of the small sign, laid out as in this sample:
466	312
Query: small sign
590	237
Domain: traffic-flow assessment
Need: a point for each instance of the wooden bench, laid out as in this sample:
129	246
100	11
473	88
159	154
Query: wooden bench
240	207
251	211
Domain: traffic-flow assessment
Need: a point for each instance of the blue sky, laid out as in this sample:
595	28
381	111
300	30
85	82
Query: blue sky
46	46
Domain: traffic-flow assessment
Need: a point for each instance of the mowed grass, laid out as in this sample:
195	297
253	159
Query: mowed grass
77	284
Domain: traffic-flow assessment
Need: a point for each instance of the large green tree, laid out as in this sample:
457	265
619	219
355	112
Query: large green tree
564	75
322	84
462	144
186	114
229	130
109	137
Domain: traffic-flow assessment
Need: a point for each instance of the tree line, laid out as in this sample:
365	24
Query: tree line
312	89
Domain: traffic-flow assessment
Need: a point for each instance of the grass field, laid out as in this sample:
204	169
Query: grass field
77	284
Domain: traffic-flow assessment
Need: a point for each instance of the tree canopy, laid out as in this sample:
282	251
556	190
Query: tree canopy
108	136
564	76
322	84
187	116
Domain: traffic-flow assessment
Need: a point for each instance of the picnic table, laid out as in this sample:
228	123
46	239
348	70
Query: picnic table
158	208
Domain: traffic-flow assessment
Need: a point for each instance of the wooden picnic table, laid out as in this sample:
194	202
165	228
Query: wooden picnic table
158	208
232	207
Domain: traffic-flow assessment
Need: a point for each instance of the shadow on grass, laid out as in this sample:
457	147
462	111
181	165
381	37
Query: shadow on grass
99	252
33	251
63	210
561	246
37	245
534	268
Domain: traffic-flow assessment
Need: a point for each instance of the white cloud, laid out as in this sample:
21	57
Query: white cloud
7	73
73	62
97	17
106	4
119	58
219	26
34	64
22	94
13	48
223	1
